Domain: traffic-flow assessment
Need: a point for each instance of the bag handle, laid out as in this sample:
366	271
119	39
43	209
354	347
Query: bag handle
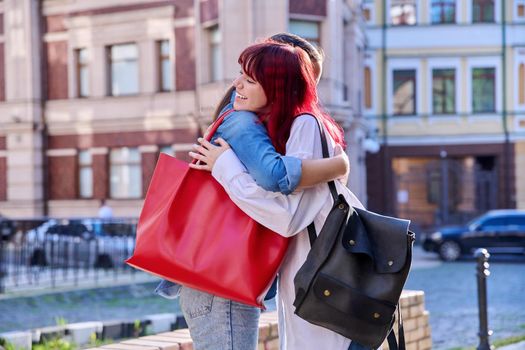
214	126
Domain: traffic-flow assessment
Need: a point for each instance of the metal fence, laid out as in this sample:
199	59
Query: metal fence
57	253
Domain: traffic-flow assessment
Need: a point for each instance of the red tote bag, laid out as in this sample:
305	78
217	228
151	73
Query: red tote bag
191	233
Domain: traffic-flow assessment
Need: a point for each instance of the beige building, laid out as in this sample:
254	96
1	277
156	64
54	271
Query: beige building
445	90
92	90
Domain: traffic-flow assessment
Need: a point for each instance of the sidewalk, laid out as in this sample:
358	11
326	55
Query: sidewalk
516	346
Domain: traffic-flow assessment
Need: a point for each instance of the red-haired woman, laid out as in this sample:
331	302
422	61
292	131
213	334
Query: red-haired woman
285	77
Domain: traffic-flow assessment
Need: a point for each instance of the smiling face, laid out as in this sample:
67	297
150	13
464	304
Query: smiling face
250	94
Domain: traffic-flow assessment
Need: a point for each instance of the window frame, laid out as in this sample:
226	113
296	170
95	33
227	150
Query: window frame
494	94
443	4
482	8
316	41
128	163
521	83
79	66
109	65
161	58
414	96
393	3
215	51
85	165
444	97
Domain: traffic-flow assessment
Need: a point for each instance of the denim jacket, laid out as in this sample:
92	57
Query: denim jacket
272	171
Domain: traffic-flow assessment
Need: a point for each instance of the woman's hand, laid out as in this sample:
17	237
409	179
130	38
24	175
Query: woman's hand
206	153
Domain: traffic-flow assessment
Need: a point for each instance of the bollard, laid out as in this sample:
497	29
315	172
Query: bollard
3	270
482	272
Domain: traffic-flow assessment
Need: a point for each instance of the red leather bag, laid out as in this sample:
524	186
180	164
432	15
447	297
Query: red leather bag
191	233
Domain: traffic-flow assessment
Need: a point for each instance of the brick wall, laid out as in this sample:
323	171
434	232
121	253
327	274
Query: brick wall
54	23
183	8
148	160
63	177
123	139
3	178
56	69
185	58
415	318
209	10
308	7
100	176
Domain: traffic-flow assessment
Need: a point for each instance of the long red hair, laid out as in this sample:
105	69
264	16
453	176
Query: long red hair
287	78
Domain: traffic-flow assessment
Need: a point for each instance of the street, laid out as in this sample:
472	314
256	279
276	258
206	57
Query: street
451	297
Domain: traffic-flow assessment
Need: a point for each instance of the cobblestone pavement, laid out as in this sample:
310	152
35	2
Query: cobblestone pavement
450	288
451	298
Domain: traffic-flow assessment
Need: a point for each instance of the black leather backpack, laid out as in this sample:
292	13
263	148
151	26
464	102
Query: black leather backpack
353	276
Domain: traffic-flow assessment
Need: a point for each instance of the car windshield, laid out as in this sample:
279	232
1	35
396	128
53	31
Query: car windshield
475	223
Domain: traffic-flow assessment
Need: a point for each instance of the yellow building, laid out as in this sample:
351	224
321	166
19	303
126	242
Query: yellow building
445	98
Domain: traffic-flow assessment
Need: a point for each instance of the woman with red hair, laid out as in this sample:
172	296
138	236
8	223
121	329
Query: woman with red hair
283	75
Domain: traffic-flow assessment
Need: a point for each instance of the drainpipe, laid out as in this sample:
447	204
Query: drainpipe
384	117
43	122
506	150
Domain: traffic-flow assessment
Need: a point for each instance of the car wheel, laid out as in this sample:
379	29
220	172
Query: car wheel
449	250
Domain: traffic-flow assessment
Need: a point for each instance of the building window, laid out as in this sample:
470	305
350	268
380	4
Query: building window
125	173
483	90
163	51
521	84
520	9
82	75
368	87
215	53
444	91
124	69
403	12
306	29
367	15
443	11
482	11
167	150
405	92
85	174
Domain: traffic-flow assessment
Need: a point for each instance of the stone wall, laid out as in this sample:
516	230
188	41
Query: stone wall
415	320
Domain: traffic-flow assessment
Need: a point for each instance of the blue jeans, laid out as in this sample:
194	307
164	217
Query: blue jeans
216	323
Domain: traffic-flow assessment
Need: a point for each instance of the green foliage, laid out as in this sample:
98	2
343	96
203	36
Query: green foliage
7	345
55	344
507	341
60	321
94	342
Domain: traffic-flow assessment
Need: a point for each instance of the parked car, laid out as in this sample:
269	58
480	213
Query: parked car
499	231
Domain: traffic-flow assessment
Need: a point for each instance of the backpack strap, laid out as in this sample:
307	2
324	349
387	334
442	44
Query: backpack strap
391	338
331	184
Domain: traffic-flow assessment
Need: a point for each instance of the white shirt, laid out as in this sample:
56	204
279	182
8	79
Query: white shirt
289	215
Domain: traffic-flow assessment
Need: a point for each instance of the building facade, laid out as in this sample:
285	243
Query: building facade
445	92
92	91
